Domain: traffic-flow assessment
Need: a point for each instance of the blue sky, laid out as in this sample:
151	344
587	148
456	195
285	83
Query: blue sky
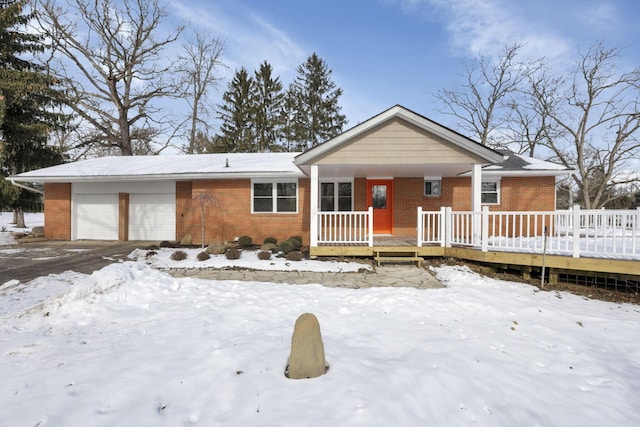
387	52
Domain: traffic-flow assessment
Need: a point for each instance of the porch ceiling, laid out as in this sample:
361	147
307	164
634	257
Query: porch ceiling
386	170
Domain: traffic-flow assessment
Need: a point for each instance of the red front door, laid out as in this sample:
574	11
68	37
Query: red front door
380	196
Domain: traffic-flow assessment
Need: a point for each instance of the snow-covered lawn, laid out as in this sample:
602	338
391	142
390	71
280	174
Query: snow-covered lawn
248	260
6	227
132	346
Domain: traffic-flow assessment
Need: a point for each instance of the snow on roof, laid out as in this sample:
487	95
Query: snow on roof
221	165
519	164
538	164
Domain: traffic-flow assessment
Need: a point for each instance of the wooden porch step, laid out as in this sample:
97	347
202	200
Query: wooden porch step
397	256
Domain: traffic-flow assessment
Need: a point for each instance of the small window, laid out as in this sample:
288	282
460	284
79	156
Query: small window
336	196
275	196
432	187
490	192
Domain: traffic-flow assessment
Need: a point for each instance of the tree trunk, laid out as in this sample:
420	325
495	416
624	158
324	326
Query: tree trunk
18	218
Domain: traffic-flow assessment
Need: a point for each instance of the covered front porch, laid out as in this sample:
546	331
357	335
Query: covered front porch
600	241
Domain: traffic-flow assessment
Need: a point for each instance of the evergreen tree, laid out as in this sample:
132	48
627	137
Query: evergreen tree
314	98
269	104
30	98
238	114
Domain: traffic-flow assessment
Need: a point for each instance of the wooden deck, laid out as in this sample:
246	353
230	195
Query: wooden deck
518	260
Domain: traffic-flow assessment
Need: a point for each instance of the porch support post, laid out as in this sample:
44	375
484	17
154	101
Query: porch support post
313	221
370	226
476	200
420	227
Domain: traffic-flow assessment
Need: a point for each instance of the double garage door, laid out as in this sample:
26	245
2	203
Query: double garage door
152	211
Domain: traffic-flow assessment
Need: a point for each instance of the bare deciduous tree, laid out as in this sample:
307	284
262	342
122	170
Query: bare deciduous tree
481	107
109	56
198	72
596	109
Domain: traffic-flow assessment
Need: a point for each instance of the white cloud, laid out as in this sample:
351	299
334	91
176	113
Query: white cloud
249	38
485	26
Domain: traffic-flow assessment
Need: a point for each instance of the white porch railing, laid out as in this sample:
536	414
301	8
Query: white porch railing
346	227
576	232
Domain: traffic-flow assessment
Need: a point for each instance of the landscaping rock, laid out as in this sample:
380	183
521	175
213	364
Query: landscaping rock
307	349
186	240
37	231
216	249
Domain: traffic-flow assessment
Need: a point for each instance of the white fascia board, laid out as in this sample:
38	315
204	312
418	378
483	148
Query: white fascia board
524	173
167	177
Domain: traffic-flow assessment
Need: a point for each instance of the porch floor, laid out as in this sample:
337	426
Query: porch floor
382	240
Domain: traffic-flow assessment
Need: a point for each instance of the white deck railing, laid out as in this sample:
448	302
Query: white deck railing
346	227
576	232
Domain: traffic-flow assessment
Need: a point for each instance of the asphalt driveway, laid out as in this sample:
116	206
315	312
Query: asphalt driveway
26	261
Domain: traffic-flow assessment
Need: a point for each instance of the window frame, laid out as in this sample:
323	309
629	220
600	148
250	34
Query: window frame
497	191
336	197
432	179
274	194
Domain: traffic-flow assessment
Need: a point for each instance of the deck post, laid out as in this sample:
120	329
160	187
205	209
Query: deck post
313	221
485	229
443	227
576	231
448	226
420	228
370	225
476	201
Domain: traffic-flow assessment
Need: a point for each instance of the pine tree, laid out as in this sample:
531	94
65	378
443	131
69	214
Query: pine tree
269	104
314	98
30	98
238	114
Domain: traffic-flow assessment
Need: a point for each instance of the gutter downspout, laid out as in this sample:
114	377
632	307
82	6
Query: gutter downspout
25	187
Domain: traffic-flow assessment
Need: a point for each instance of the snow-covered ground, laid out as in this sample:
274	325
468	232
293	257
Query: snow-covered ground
248	260
6	227
130	345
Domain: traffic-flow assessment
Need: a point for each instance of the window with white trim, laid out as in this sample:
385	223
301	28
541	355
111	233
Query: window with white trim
432	187
279	196
490	192
336	196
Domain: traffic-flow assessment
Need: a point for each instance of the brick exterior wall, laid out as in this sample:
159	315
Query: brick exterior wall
227	212
228	207
183	208
516	194
57	211
123	216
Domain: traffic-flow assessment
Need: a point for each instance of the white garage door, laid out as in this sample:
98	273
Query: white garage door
152	216
96	216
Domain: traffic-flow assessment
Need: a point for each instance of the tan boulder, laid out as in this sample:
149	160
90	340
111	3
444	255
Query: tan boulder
306	359
186	240
216	249
37	231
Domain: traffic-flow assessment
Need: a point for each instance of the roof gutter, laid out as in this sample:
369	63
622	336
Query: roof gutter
25	187
154	177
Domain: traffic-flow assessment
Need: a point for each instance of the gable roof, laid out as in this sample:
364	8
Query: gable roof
169	167
402	113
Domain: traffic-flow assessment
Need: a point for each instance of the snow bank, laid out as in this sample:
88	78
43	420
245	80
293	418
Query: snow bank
129	345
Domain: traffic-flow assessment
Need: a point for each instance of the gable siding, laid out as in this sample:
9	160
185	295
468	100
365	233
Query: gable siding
398	142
